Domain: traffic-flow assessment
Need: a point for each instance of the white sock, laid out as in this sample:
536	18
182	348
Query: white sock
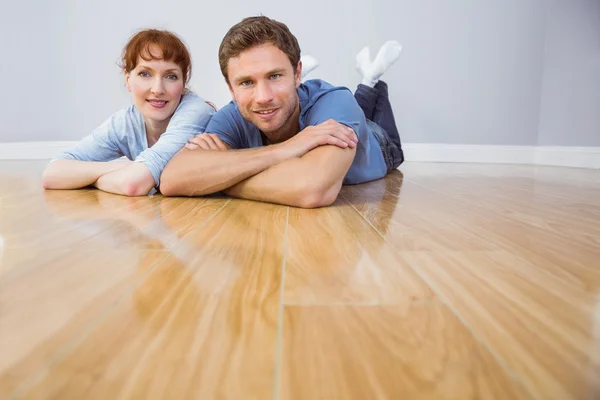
309	63
372	71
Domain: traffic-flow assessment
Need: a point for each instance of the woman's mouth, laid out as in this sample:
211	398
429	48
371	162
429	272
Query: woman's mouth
158	103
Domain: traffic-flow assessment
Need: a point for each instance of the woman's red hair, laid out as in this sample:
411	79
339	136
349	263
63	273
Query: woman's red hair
172	48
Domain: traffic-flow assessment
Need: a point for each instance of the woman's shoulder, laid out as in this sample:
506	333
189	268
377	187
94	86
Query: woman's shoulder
123	121
192	99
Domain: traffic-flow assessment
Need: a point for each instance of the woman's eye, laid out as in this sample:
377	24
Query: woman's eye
144	74
172	77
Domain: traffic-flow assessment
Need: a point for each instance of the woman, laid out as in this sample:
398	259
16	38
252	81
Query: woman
141	139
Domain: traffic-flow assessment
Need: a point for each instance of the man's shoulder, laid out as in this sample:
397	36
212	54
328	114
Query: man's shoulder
316	95
229	109
316	91
315	88
228	113
231	126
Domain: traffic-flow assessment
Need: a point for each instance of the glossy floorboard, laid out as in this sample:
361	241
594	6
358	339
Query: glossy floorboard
442	281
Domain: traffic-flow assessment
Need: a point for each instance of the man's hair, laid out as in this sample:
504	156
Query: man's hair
254	31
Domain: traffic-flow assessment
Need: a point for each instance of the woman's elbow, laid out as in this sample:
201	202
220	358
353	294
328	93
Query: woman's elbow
136	188
49	179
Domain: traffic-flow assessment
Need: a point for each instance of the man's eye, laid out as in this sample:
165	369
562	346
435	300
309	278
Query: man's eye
275	76
246	83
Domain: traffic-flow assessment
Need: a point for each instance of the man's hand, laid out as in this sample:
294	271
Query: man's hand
329	132
206	141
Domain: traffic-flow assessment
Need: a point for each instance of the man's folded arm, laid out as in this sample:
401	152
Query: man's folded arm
313	180
201	172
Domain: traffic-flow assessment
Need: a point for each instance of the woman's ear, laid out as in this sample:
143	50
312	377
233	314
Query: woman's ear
127	81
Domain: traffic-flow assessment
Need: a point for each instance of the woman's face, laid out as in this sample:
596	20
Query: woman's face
156	87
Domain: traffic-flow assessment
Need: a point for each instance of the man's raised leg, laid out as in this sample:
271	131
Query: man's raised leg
372	93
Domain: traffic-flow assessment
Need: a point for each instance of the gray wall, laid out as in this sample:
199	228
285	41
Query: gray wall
471	71
570	113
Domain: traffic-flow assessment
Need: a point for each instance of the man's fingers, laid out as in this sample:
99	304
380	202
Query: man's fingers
349	132
215	142
344	136
200	142
353	135
220	145
212	145
337	142
205	146
197	140
207	142
333	124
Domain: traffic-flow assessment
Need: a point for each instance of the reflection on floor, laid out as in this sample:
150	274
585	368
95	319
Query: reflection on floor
441	281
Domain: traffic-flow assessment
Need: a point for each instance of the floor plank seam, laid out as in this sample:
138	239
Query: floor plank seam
509	218
350	304
194	231
446	303
482	208
414	302
279	341
62	352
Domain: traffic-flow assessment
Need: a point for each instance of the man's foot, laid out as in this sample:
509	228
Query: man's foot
372	71
309	63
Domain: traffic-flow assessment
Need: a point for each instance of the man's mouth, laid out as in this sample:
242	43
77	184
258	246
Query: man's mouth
267	113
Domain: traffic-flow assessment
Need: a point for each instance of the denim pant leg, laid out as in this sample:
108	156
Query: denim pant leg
376	106
367	99
383	115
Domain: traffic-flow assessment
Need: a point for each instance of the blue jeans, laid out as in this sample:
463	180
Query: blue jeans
375	103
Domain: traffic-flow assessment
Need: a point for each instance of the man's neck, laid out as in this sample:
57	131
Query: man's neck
288	130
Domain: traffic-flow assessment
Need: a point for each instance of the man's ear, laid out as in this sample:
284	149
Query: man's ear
298	74
230	91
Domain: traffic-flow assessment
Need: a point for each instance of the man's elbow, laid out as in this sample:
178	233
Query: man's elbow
171	186
316	197
172	181
168	188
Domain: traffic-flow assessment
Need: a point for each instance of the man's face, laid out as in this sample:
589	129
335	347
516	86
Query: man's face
263	84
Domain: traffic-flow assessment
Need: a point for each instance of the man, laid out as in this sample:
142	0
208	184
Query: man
283	141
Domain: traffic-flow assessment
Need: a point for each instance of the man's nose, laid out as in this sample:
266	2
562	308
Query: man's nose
263	93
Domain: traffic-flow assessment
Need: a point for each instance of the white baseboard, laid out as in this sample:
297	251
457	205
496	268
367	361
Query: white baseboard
468	153
582	157
564	156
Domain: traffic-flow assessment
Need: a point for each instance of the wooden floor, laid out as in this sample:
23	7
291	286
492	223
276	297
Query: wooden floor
443	281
